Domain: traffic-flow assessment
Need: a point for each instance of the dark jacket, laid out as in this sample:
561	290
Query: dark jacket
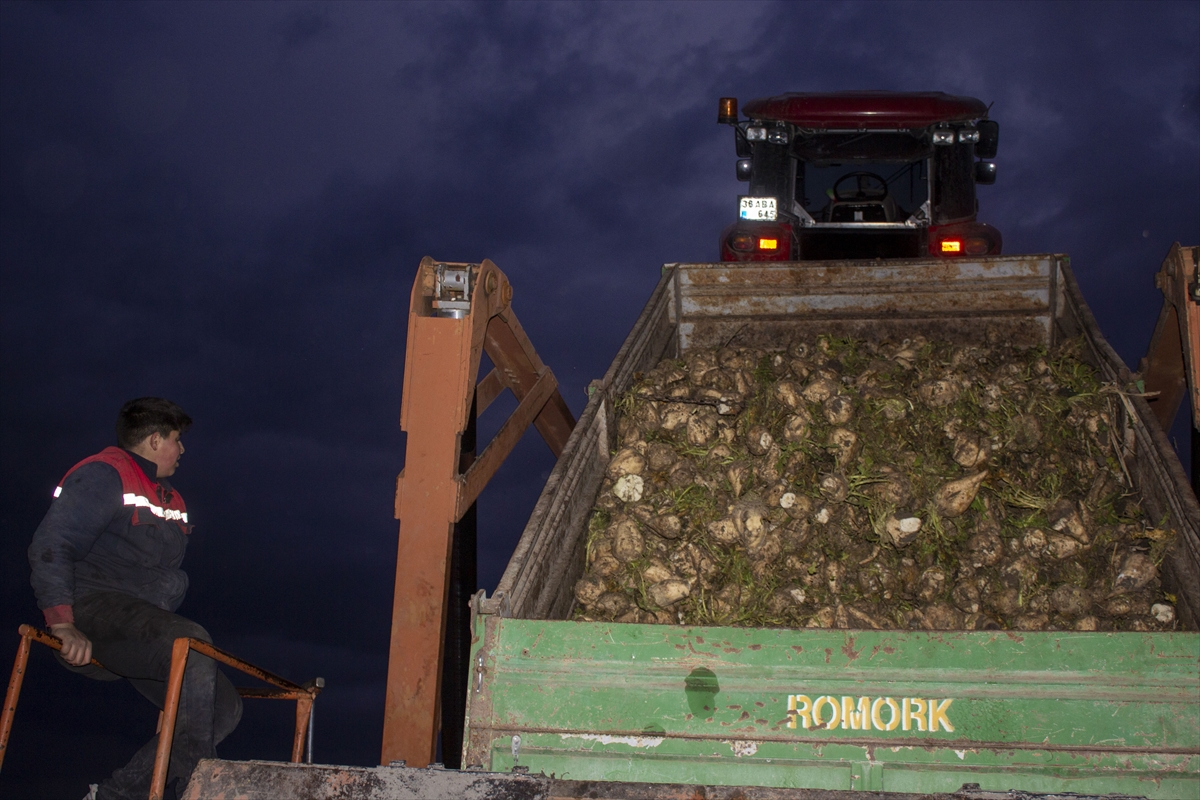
93	538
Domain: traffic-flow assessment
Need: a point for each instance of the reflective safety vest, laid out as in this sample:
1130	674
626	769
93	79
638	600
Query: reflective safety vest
138	490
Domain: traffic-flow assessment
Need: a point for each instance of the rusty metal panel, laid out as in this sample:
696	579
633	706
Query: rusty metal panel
261	780
1147	456
264	780
869	710
1171	367
548	558
765	305
1031	300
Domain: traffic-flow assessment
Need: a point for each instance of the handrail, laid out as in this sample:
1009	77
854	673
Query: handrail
303	694
28	634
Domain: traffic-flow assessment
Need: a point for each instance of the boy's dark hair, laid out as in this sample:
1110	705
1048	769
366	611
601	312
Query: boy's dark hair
146	415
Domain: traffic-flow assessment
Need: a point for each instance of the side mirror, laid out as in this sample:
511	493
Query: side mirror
985	172
989	138
743	146
744	168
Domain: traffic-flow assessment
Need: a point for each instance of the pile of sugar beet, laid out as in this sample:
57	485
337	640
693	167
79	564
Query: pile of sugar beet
848	484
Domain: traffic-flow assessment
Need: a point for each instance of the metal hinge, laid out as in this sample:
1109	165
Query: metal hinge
452	290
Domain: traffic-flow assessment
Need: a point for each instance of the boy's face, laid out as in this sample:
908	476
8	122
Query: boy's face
165	452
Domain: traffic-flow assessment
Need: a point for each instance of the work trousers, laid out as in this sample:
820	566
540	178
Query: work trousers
132	639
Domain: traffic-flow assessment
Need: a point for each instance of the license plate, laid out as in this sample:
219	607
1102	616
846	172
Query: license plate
757	208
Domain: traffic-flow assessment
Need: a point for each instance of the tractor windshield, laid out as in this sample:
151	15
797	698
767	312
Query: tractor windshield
862	191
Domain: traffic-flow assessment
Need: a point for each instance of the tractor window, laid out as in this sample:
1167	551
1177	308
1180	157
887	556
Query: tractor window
885	191
954	184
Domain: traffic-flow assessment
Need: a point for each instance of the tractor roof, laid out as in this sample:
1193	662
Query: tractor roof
866	110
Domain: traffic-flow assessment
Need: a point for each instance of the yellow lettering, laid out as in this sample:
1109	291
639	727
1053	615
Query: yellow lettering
856	719
937	715
877	717
835	716
799	706
827	712
914	712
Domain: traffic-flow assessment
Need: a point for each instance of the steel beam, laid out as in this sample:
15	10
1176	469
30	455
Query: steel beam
436	489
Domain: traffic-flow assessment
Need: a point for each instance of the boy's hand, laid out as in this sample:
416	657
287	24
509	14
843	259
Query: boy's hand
77	648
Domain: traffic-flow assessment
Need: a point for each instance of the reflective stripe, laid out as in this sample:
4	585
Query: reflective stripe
158	511
57	491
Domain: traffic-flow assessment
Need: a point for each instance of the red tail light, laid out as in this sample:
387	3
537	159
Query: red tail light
757	242
742	242
964	239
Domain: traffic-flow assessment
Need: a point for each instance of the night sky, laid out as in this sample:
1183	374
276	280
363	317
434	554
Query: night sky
225	204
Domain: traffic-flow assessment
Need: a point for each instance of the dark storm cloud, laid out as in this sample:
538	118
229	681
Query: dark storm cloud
305	25
226	203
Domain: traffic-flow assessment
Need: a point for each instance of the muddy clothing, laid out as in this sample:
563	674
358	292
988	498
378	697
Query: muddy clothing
107	557
111	527
133	638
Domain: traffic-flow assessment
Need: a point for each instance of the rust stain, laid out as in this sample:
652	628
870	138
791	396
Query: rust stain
745	715
889	649
699	640
735	708
848	649
760	703
689	662
731	649
755	647
760	722
828	655
798	648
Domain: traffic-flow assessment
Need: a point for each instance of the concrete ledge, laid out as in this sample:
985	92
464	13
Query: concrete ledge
273	780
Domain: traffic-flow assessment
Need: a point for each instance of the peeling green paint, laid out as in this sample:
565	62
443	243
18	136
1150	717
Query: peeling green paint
1081	712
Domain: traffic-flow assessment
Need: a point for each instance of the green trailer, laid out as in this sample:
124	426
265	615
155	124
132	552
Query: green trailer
897	711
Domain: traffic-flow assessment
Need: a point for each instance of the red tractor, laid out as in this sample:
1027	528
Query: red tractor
861	175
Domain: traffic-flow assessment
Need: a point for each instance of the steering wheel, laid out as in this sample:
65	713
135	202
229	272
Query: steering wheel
864	190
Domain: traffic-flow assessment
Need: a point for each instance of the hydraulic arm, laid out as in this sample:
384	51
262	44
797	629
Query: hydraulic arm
458	312
1171	367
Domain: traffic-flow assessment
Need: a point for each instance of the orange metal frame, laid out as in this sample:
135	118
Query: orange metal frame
1171	367
286	690
440	371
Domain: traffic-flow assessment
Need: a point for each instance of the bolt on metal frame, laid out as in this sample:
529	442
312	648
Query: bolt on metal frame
304	695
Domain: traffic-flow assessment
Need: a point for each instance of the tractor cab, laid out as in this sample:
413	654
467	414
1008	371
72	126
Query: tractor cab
860	175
